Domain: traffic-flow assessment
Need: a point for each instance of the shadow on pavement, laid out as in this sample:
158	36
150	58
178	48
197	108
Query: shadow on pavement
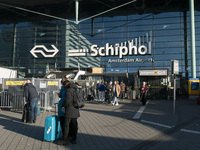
16	125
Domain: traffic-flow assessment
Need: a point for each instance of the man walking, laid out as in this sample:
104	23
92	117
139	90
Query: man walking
122	92
101	92
115	93
32	99
71	115
108	93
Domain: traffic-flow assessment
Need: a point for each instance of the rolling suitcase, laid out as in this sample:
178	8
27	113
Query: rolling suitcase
26	114
52	129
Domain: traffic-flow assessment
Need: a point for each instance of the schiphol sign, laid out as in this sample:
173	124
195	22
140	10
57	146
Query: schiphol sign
121	50
138	46
118	50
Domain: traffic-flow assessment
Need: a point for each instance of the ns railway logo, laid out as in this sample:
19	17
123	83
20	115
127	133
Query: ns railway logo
127	48
39	49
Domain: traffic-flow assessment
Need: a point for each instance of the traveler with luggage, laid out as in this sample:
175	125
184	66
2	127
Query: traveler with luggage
71	114
61	111
32	99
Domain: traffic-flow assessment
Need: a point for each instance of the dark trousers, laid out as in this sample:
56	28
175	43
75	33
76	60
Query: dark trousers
71	128
122	95
62	124
108	97
143	99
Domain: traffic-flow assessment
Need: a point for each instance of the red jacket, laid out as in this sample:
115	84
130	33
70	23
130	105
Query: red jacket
144	88
122	87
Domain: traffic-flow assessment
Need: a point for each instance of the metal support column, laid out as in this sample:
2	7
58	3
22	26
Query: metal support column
77	6
14	46
192	30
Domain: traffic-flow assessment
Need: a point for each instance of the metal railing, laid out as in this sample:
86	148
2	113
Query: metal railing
16	101
12	96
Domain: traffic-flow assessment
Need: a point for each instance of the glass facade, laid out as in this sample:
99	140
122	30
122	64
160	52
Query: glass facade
168	34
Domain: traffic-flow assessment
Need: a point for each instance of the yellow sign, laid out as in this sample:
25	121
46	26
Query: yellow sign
193	86
155	72
14	82
97	70
52	83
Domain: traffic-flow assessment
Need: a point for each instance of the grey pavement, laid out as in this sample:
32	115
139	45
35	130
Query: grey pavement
106	127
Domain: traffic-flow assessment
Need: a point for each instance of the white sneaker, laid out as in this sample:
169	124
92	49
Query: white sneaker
117	104
112	103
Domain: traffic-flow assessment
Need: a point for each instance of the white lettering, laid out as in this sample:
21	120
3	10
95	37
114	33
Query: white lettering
123	50
109	48
137	60
101	51
94	48
116	49
131	48
142	50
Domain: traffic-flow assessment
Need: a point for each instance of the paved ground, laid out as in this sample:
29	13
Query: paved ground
103	127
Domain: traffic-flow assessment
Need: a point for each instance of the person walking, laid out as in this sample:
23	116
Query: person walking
101	92
106	91
97	90
71	115
108	94
115	93
122	92
32	99
143	94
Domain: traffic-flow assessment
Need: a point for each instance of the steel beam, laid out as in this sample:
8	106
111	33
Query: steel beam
192	39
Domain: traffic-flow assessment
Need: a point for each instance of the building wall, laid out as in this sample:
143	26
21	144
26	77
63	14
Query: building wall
169	36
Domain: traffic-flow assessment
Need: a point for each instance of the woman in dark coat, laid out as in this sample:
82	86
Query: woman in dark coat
71	114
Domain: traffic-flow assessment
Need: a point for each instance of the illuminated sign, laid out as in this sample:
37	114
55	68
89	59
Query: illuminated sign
134	47
153	72
40	48
175	67
120	51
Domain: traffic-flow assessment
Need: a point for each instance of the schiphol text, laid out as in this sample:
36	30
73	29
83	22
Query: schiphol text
120	51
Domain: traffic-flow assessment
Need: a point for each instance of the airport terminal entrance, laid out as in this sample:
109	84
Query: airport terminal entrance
157	82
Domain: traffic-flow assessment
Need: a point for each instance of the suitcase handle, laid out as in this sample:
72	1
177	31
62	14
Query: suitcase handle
55	107
49	129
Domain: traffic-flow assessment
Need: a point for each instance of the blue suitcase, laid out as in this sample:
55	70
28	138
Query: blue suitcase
52	129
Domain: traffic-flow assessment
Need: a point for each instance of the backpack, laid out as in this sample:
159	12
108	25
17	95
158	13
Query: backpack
78	100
